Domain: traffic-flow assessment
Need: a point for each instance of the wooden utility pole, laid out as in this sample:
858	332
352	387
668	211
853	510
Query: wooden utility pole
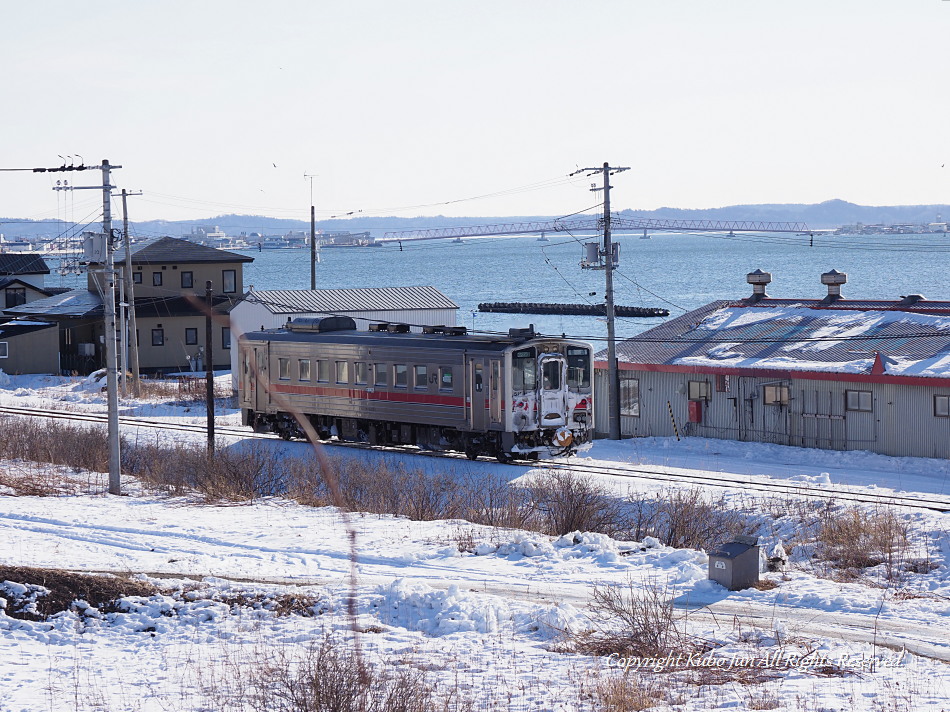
613	373
132	328
112	385
209	366
313	247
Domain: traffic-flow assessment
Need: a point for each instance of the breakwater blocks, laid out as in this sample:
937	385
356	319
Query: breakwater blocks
568	309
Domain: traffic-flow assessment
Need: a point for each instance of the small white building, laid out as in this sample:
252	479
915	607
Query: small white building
271	309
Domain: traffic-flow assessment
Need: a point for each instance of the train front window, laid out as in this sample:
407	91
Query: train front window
551	375
578	368
524	371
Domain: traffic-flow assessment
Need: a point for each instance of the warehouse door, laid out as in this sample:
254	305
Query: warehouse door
822	419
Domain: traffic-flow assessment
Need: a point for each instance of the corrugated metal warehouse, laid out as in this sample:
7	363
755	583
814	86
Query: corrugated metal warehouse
828	373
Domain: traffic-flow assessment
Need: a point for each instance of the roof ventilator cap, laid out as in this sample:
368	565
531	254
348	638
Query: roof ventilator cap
759	280
833	279
911	299
527	333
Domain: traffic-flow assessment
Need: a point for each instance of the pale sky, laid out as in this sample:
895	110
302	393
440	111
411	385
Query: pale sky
401	106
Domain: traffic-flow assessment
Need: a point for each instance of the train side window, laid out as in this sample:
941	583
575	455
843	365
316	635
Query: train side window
421	377
400	375
578	367
283	369
381	379
303	366
524	371
323	371
361	372
445	379
342	372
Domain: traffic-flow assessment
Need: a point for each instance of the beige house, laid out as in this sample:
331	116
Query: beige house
28	347
169	277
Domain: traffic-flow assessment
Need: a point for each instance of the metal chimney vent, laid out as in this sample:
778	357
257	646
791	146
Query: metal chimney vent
834	279
759	280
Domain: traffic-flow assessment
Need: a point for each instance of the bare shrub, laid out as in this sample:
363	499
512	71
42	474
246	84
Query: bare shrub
563	502
625	693
688	520
56	443
636	618
332	678
856	538
492	500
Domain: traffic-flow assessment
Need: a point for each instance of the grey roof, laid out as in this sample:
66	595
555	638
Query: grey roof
76	303
164	250
802	335
18	263
10	329
329	301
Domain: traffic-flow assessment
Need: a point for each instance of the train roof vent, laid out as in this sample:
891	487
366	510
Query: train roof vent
321	324
447	330
381	326
397	328
527	333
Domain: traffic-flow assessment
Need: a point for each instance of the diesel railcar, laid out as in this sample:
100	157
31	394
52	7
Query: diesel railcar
520	396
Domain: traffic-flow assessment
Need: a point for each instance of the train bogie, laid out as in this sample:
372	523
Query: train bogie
517	396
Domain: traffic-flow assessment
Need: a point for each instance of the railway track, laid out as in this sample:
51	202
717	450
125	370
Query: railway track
841	493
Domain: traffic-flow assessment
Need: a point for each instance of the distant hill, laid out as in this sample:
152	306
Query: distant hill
829	214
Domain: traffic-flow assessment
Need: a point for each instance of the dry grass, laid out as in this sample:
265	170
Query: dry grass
51	591
853	538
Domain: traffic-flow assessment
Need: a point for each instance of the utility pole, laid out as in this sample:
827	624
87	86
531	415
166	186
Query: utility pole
131	329
313	237
209	366
613	373
112	386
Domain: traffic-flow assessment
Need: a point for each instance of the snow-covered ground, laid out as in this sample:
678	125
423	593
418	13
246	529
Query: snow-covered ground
484	611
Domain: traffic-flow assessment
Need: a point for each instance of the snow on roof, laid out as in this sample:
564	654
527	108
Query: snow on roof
841	337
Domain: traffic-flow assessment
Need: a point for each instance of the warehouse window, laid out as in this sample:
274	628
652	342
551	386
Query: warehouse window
303	368
699	391
283	369
421	379
858	400
323	371
775	395
942	406
445	379
342	372
381	379
400	375
361	372
629	395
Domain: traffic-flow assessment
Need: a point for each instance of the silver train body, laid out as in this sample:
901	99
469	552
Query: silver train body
520	396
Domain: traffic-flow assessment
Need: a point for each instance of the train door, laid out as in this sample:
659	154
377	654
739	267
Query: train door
259	383
494	392
552	385
477	396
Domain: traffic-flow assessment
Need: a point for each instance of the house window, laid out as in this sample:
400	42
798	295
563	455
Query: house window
342	372
16	296
323	371
229	280
381	375
421	377
283	369
136	278
445	379
303	368
858	400
699	391
775	395
629	395
158	337
156	279
361	374
225	337
191	337
4	349
400	375
187	280
942	406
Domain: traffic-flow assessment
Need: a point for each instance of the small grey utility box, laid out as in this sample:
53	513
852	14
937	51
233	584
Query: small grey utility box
736	565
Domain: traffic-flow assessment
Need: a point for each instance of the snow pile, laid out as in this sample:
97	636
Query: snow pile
417	606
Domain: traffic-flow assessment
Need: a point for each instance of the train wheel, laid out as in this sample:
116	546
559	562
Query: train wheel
503	457
471	452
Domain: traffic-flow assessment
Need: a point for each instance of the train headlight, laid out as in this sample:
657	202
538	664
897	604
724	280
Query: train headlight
580	417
